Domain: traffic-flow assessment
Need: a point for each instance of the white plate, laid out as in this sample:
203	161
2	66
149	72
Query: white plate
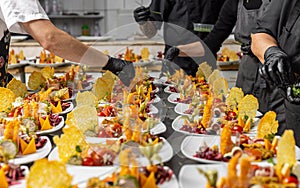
22	183
189	175
94	38
153	109
69	109
142	64
178	123
173	97
37	64
56	128
172	183
17	65
258	114
18	38
159	128
191	144
154	74
156	99
167	89
163	80
180	108
40	153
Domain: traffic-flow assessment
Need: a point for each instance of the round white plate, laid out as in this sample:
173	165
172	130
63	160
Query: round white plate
56	128
167	89
173	98
189	175
40	153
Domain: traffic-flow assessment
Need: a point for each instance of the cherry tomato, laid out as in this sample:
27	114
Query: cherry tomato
97	159
291	179
87	161
101	114
231	115
11	114
237	128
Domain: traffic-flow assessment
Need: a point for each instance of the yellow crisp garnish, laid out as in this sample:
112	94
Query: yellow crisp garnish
267	125
67	142
109	78
44	173
286	149
36	80
204	70
48	72
145	54
17	87
248	106
21	55
86	118
58	59
86	98
220	88
7	97
101	89
216	74
234	97
230	53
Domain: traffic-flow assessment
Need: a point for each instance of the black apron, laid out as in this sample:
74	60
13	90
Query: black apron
5	77
289	41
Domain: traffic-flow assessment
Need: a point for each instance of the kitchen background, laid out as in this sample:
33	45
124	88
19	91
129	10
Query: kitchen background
101	16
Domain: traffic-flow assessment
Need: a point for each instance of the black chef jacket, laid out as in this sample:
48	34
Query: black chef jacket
282	21
178	17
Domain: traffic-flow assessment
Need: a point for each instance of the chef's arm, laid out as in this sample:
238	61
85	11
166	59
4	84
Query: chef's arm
148	29
64	45
260	43
191	50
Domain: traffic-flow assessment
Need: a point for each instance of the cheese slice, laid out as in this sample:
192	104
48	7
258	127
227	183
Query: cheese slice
31	148
46	124
3	181
57	108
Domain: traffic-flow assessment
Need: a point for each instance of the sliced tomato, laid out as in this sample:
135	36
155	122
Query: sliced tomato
88	161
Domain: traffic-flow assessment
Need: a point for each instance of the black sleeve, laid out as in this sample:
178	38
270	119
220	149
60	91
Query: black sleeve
160	10
271	18
223	27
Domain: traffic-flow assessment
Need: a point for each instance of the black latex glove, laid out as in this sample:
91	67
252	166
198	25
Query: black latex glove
141	15
293	93
172	53
168	66
277	68
123	69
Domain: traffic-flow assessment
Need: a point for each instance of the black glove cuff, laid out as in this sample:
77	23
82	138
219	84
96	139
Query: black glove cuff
271	51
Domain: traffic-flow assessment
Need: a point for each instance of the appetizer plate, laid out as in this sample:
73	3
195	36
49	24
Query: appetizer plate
56	128
21	183
42	65
153	110
82	173
156	99
173	97
69	109
94	38
191	144
178	123
154	74
180	108
167	89
82	184
17	65
189	175
159	128
40	153
18	38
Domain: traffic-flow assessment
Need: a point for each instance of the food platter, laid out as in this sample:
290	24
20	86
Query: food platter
189	176
40	153
54	129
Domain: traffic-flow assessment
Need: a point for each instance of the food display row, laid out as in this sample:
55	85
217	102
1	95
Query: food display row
77	131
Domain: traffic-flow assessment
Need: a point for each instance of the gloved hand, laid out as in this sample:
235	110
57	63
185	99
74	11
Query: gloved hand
123	69
277	68
168	66
172	53
141	14
293	94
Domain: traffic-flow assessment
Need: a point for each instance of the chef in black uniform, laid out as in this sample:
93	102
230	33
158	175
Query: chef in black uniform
276	43
178	17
